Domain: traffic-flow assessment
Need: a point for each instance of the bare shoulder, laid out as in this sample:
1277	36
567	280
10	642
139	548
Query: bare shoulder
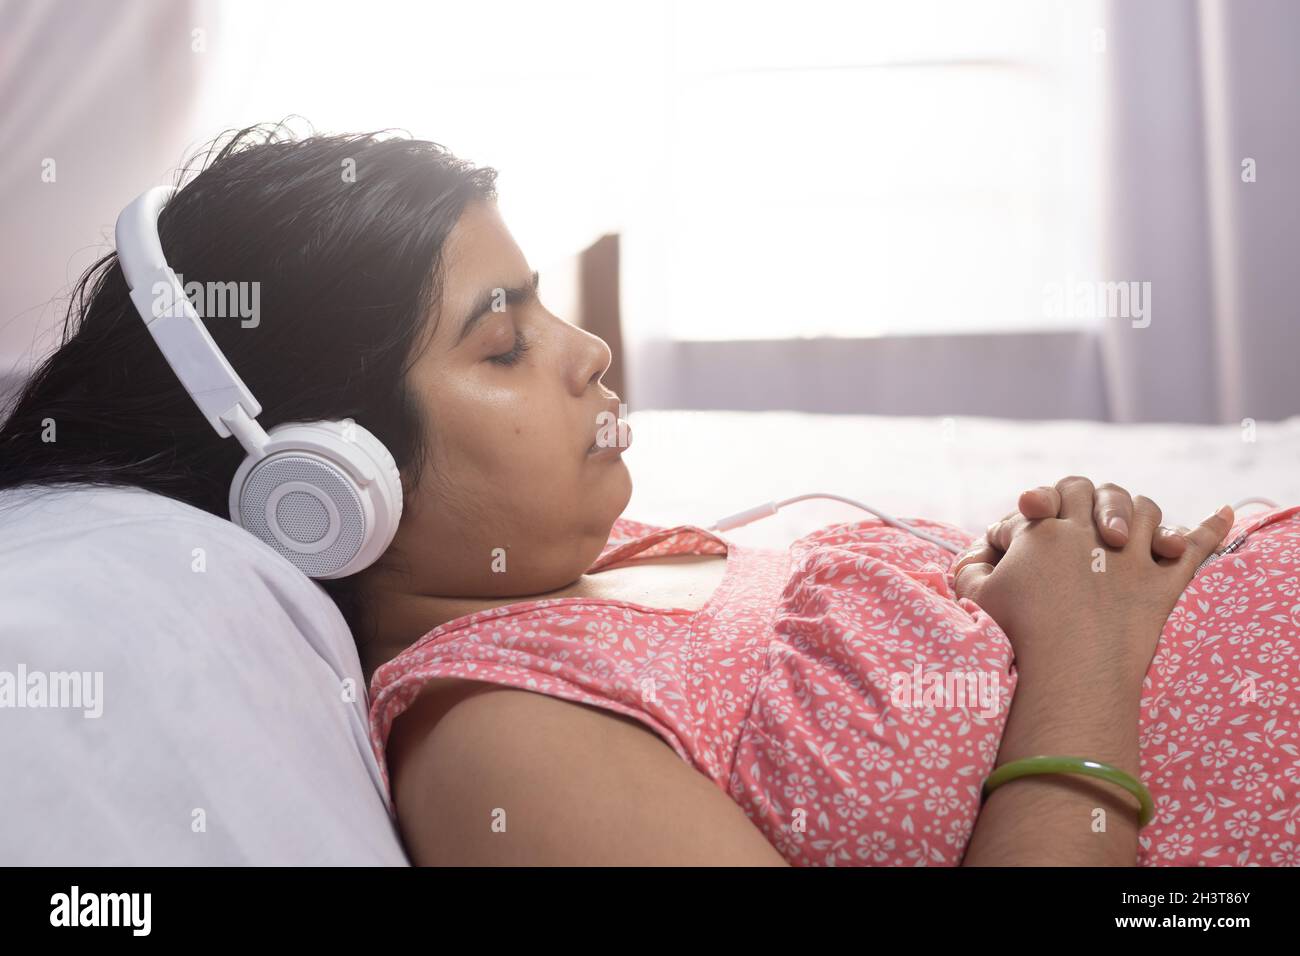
489	775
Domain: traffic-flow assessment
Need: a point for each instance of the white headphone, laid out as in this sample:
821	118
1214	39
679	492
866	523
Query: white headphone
327	494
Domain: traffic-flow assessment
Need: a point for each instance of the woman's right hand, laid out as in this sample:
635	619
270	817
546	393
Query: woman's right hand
1065	598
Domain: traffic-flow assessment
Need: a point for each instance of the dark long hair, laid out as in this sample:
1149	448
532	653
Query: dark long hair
343	235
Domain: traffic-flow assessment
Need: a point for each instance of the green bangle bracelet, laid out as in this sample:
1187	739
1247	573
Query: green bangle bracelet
1029	766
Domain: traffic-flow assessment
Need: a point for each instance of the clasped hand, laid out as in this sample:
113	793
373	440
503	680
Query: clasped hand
1085	576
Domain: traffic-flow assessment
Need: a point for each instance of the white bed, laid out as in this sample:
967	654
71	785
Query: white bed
695	467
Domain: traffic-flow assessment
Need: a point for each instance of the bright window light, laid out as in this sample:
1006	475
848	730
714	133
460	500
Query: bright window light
820	169
871	169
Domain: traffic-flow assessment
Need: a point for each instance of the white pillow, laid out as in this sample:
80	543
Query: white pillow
226	735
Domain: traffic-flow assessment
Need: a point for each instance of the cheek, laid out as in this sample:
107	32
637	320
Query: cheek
503	446
535	456
505	455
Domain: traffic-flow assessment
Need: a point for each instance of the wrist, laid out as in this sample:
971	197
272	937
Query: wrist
1064	713
1106	666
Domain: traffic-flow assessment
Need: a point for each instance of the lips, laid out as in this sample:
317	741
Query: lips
609	426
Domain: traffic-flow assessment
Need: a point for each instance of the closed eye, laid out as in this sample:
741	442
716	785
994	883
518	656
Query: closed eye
515	354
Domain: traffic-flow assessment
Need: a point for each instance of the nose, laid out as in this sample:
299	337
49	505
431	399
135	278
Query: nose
592	358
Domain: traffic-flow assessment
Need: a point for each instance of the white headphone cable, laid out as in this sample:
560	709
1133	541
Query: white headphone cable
770	508
741	518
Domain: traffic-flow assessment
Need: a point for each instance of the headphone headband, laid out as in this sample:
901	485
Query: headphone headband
186	344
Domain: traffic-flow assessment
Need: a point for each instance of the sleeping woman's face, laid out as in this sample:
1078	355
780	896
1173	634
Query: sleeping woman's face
510	502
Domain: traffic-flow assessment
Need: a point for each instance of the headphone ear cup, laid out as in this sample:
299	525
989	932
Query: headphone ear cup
326	495
383	461
307	509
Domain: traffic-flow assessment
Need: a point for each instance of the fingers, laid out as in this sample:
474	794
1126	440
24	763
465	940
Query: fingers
1072	497
1146	517
1113	512
980	552
1112	509
971	568
1202	540
970	578
1077	495
1169	542
1041	502
1000	533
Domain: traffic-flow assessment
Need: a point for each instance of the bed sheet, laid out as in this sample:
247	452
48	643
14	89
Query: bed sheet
692	467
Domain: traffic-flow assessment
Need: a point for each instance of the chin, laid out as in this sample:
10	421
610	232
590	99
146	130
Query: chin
625	478
614	493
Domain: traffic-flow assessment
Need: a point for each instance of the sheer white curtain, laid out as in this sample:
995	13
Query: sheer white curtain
774	171
873	173
96	101
548	93
870	168
1204	203
119	94
852	206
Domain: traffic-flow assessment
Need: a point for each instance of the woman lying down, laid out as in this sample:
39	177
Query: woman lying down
552	684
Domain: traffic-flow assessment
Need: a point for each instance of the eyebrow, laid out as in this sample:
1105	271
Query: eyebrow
483	303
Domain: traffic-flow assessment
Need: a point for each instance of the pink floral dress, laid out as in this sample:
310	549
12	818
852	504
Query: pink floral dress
853	707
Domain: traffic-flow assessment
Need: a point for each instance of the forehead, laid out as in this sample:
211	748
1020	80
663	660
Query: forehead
480	254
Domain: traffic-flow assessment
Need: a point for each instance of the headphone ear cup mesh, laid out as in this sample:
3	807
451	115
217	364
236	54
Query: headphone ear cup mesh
306	509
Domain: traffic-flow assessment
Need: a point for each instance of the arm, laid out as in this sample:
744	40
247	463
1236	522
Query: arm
571	785
1084	633
1049	820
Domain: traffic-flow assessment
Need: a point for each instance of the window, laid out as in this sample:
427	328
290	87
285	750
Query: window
848	169
776	170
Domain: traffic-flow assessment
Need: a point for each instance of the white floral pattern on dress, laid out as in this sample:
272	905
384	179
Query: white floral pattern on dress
780	690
